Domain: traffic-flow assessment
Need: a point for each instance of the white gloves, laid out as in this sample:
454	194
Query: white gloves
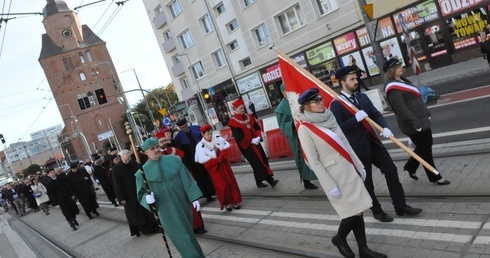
97	181
360	115
150	198
386	133
363	174
419	129
256	140
335	193
197	205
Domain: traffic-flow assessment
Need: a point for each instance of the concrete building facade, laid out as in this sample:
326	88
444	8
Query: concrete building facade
217	50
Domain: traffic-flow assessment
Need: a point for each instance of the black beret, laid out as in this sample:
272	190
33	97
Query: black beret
344	71
390	63
74	164
308	95
181	122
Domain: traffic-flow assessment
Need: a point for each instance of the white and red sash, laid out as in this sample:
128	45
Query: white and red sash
403	87
332	139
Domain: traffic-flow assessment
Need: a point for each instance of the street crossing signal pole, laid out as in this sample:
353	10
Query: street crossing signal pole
372	29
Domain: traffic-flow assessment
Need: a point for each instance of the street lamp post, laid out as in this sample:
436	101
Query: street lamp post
144	99
111	127
199	95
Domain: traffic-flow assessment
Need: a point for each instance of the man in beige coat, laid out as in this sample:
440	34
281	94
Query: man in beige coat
338	169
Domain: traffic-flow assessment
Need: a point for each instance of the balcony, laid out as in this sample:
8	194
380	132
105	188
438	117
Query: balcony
177	69
168	45
159	21
187	93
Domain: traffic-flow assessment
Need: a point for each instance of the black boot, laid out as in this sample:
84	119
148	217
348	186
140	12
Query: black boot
360	234
340	241
309	185
272	182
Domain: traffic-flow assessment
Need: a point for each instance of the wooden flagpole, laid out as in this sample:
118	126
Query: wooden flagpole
336	96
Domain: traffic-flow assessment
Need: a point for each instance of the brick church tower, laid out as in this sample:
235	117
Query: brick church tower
84	83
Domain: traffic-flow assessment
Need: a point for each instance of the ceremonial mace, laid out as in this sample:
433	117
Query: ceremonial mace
153	206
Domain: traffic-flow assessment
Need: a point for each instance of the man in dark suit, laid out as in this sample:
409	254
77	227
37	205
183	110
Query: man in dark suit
366	143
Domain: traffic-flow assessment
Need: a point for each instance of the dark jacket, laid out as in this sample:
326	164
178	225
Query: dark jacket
356	133
410	110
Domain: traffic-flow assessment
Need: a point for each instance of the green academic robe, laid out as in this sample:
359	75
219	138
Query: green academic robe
174	191
286	123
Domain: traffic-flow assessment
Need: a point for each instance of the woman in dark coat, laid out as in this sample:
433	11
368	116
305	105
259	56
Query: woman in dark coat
59	195
140	220
79	184
101	177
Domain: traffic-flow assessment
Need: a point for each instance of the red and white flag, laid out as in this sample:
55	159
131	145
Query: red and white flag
297	79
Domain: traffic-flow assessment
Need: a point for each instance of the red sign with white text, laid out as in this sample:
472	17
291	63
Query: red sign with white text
453	6
345	43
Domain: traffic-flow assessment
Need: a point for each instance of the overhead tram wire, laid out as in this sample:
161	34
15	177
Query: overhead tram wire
119	7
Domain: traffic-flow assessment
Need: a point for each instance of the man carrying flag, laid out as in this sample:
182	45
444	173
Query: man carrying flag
367	146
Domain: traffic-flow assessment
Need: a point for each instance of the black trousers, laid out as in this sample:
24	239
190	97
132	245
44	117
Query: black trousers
379	157
423	142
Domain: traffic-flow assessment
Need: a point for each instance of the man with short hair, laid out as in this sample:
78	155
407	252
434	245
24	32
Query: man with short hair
366	143
79	184
173	191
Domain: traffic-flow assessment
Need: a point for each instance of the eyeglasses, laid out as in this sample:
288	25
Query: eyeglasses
316	100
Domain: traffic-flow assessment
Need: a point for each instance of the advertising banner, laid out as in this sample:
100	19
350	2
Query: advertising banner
449	7
384	25
372	67
350	59
259	98
271	74
345	44
416	15
319	54
249	83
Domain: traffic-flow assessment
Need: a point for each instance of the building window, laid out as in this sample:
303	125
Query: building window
186	39
248	2
82	59
184	83
233	45
233	25
327	6
219	58
206	24
68	63
245	62
220	8
198	71
83	77
262	35
89	56
158	10
174	8
291	19
83	101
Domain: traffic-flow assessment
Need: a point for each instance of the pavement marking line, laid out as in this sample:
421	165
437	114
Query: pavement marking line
230	218
486	226
485	240
245	211
451	133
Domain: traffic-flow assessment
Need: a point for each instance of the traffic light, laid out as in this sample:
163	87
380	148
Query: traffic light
206	96
101	98
2	139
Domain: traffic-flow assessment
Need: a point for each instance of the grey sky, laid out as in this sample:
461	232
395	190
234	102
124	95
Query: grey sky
25	92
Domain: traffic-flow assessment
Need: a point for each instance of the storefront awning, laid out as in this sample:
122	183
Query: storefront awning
185	110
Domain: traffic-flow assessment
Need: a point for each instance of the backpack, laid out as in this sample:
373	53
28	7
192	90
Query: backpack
485	47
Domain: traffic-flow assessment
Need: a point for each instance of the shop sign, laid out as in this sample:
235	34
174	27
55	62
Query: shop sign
345	43
416	15
248	83
272	73
300	59
453	6
320	54
469	25
259	98
385	26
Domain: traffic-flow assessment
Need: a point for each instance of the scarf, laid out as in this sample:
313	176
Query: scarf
324	119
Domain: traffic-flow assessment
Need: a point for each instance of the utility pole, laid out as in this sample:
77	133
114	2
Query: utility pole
371	27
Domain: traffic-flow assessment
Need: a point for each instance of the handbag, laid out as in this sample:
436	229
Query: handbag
37	194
